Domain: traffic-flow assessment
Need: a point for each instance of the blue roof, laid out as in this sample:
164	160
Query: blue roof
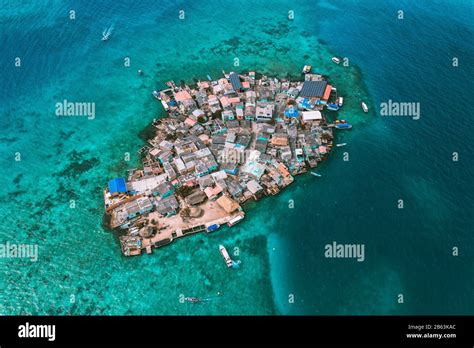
313	88
235	81
291	112
117	185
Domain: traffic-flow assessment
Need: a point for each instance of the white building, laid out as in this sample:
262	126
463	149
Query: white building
311	116
264	111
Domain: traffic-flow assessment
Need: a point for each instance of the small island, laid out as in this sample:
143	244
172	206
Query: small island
222	143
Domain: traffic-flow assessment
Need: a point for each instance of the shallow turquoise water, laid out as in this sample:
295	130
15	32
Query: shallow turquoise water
80	268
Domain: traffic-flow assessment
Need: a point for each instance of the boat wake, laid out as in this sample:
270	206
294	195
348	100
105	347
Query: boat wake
201	299
107	32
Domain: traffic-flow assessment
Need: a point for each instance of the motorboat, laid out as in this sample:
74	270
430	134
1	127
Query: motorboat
226	256
107	33
364	107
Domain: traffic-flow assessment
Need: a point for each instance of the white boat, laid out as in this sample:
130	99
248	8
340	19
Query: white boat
364	107
342	144
235	220
226	256
157	95
316	174
306	69
165	105
336	60
340	101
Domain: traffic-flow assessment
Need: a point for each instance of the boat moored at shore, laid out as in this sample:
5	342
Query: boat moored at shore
333	107
342	124
235	220
213	227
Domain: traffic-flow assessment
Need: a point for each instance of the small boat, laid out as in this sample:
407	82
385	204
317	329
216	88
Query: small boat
333	107
157	95
192	299
226	256
209	78
336	60
364	107
106	33
316	174
306	69
235	220
340	101
213	227
342	144
344	125
165	105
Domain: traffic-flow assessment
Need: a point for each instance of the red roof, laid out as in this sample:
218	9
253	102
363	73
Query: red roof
234	100
182	96
327	92
190	122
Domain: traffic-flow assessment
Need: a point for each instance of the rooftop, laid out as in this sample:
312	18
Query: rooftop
313	89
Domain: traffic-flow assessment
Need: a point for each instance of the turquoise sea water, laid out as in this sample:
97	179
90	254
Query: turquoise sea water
408	251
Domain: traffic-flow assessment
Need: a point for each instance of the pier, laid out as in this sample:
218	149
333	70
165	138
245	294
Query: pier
176	227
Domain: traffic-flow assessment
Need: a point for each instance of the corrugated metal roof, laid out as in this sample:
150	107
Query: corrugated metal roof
117	185
235	81
313	88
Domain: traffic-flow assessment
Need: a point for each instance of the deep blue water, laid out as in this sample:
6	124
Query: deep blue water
408	251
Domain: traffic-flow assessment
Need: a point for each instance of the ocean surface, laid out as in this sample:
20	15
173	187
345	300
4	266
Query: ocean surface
50	163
